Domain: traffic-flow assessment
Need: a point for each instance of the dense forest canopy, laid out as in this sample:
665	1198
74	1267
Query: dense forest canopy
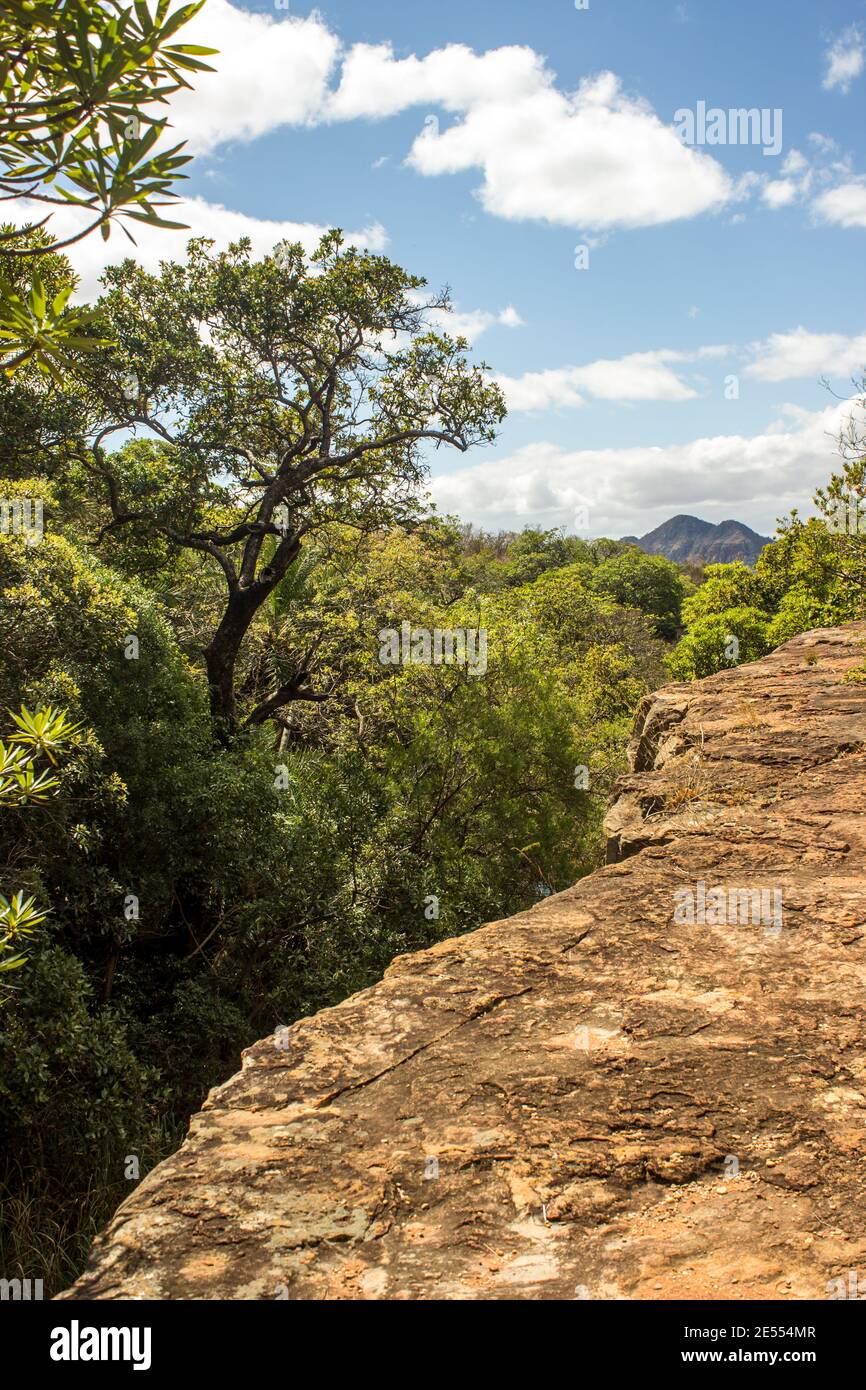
222	807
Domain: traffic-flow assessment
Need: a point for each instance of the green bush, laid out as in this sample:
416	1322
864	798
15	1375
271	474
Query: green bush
708	646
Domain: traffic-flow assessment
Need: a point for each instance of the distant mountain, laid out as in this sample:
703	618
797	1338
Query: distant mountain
689	541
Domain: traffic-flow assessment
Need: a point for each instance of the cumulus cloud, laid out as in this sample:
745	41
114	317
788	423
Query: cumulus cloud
593	159
154	244
375	84
628	491
797	176
640	376
845	205
471	323
824	144
795	162
785	356
779	192
835	193
269	72
844	59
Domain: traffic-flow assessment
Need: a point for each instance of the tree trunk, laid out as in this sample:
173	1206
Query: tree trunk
221	653
221	656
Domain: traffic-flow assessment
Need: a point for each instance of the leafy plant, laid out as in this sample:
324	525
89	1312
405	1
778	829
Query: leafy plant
44	733
18	919
81	87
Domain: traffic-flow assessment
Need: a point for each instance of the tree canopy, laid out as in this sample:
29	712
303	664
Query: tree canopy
289	393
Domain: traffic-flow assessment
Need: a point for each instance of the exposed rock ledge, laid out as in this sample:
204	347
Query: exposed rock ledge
580	1072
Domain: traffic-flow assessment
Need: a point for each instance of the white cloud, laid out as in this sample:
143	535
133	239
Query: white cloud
375	84
844	205
268	72
471	323
779	192
799	175
540	390
593	160
842	198
795	162
641	376
510	318
844	59
629	491
824	144
786	356
154	244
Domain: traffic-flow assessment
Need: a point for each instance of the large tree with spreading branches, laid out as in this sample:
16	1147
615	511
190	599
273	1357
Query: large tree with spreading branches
286	393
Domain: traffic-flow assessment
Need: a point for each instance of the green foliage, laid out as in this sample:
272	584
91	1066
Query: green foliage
511	558
813	574
19	918
266	433
74	1102
81	86
41	415
45	733
725	586
533	552
649	583
40	328
802	610
151	809
707	646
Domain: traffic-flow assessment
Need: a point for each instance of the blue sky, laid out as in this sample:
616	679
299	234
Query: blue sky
521	132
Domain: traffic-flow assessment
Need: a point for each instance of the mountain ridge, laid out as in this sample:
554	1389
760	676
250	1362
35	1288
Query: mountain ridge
688	540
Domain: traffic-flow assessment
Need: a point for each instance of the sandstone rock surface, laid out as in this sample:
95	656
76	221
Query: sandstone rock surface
591	1099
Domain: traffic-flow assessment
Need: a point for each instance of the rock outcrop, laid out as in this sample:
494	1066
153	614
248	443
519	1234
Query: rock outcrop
641	1088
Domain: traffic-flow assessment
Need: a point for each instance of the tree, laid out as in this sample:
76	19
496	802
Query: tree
842	504
535	551
733	585
708	646
83	82
811	575
288	393
649	583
